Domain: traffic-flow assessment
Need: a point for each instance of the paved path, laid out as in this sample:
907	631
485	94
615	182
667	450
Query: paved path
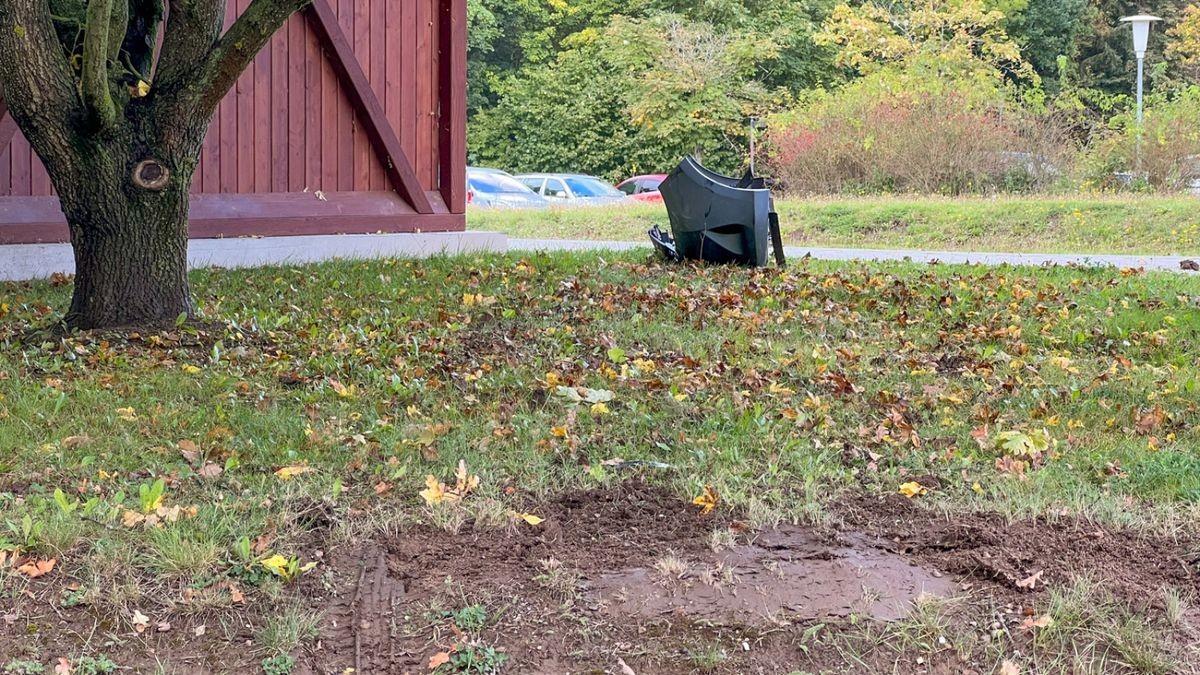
1149	262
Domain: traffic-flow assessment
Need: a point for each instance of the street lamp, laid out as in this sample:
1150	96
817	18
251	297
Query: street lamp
1141	34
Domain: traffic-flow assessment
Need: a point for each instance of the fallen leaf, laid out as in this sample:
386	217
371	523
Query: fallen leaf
140	621
163	626
189	450
63	667
290	472
707	501
382	488
625	669
72	442
1031	580
438	659
37	568
912	489
277	564
1043	621
210	470
236	595
529	518
1009	668
434	492
199	631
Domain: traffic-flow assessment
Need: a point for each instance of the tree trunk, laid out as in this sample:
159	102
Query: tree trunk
128	217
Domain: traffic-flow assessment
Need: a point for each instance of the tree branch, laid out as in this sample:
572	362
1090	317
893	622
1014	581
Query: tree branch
238	47
193	28
35	76
97	94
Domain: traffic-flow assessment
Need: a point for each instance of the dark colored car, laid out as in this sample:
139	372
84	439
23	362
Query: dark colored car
643	188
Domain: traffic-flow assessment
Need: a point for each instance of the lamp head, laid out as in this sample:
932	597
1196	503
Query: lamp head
1141	31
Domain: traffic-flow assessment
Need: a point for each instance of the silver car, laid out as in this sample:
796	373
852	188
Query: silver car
493	188
573	189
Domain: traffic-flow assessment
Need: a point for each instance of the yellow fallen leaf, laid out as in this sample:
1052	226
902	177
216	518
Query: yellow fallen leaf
277	565
127	414
599	409
190	369
434	492
529	518
560	432
977	488
912	489
290	472
708	500
132	518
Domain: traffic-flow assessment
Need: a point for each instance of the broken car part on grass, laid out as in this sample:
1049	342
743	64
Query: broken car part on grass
717	218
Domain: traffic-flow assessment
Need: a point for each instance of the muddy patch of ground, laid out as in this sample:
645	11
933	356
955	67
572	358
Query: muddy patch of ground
785	574
630	573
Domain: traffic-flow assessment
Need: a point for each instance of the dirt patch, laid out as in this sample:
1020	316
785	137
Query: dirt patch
988	548
788	573
591	584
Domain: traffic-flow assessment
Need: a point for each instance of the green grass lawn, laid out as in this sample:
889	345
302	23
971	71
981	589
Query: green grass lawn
1101	224
157	466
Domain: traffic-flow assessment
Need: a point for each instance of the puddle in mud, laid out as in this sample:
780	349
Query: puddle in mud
786	572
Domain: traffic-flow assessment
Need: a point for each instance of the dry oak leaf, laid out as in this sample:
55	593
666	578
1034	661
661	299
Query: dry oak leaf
912	489
37	568
1043	621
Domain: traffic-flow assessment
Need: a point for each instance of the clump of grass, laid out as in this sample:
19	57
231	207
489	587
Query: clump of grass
285	630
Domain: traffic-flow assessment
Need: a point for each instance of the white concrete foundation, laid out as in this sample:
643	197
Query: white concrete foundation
19	262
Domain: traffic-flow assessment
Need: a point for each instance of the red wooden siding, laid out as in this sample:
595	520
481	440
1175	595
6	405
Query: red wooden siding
343	86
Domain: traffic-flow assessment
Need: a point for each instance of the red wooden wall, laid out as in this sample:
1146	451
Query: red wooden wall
362	102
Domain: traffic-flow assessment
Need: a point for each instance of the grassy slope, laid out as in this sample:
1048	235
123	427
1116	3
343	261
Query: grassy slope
783	390
1141	225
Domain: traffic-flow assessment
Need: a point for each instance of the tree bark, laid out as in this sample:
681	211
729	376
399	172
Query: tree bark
126	204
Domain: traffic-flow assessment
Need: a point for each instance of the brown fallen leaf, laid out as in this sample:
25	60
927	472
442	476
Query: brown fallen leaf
438	659
210	470
189	450
37	568
1030	581
72	442
1009	668
625	669
63	666
140	621
1043	621
235	594
1190	265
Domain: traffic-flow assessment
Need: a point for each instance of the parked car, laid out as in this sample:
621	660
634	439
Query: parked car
643	188
493	188
573	189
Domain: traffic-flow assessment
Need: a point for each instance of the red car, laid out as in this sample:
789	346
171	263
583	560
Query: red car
643	188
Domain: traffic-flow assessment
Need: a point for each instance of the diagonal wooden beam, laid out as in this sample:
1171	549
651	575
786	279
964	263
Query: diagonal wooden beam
8	126
366	104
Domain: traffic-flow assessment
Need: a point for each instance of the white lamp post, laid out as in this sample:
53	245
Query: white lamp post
1141	35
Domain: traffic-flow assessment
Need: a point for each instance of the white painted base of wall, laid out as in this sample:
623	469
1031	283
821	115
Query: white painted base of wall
19	262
